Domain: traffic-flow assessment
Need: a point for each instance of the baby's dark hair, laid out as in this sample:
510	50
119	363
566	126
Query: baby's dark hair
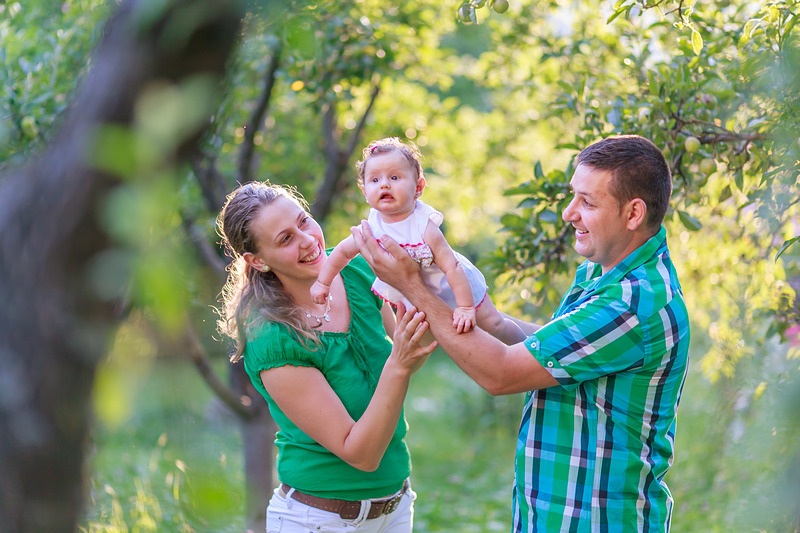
386	145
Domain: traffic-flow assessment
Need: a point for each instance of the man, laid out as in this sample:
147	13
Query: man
604	376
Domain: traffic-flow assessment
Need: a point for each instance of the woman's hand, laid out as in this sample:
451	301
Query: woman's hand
407	352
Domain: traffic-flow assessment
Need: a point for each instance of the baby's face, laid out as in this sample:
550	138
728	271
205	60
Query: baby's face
391	185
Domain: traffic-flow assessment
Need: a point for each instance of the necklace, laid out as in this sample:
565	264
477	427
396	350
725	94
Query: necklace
324	316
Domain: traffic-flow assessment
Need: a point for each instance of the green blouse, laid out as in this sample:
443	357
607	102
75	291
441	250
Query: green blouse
352	363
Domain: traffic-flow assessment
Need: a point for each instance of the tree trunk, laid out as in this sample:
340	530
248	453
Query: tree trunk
54	326
258	435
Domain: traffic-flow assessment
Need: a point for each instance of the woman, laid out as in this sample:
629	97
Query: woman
334	382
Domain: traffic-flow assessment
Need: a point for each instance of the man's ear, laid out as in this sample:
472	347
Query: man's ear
637	214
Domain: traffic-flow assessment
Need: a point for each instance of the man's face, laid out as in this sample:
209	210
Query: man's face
602	231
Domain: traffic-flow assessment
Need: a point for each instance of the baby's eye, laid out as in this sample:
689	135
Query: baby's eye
395	178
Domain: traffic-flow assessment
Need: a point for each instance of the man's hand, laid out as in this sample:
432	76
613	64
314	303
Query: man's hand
388	260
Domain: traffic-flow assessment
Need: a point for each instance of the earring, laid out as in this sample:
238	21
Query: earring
264	269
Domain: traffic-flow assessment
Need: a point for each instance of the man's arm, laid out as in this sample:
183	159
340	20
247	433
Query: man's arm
498	368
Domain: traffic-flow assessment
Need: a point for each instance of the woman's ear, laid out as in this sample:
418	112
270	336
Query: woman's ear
254	261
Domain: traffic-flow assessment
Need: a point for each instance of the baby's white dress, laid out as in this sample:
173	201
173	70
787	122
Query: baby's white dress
408	233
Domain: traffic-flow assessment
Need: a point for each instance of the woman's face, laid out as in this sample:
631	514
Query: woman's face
288	241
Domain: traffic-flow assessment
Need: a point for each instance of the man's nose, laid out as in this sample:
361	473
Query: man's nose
568	212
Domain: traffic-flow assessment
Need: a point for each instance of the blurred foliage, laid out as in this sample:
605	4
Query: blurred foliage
499	108
44	46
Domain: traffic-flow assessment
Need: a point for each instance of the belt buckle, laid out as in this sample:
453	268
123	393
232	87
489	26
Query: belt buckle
392	504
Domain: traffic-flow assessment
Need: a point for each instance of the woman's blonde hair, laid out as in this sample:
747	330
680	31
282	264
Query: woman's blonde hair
249	296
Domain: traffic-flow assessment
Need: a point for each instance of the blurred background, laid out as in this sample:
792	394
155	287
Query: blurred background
499	96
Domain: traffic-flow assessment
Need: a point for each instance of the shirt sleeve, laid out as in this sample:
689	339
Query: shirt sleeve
272	345
598	338
361	276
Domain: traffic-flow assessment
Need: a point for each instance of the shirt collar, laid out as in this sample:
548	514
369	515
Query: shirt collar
633	260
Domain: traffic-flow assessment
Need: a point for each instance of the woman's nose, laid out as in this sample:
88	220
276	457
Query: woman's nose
308	240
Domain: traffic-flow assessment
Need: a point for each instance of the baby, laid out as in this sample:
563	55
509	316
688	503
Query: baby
390	176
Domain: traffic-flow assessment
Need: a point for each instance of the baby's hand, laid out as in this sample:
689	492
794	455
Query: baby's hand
463	319
319	292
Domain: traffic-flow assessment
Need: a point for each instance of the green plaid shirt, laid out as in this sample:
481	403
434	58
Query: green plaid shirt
592	453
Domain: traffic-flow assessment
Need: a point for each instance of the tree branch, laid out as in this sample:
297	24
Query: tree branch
209	254
257	117
213	185
242	406
354	139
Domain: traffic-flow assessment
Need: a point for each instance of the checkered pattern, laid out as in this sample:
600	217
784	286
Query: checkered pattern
592	453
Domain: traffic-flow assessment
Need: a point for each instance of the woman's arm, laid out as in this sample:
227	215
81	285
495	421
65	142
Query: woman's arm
305	396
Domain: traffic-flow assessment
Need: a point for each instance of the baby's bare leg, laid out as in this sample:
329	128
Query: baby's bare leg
491	320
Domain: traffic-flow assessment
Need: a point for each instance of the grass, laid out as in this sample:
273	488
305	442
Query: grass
175	465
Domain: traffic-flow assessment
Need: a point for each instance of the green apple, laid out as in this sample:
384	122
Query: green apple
707	166
29	126
464	13
500	6
692	144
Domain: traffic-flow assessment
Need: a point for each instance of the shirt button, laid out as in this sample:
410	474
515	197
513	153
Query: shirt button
534	344
550	364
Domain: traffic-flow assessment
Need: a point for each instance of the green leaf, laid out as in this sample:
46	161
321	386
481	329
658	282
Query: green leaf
786	245
537	170
738	178
616	14
688	221
697	42
548	216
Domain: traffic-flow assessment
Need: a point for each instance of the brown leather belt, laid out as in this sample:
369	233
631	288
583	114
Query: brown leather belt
348	509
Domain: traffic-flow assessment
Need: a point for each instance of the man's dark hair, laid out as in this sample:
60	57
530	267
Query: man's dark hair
638	170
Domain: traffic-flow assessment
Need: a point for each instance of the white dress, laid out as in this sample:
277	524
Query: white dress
408	233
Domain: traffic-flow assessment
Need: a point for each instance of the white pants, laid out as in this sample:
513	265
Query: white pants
285	515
